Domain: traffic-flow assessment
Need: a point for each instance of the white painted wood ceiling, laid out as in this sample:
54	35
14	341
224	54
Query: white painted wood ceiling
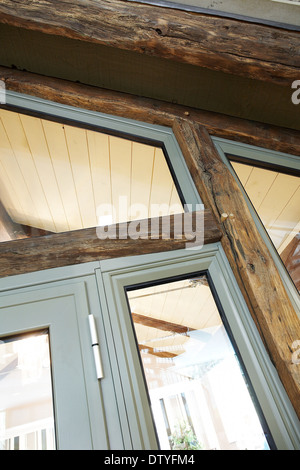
276	198
59	178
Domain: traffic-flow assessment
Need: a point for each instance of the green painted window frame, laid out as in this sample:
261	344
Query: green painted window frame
36	301
160	136
114	275
270	158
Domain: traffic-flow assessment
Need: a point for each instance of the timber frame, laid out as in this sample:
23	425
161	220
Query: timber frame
250	260
140	28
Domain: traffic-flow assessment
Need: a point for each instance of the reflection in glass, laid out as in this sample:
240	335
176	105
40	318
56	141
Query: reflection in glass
199	396
276	199
26	407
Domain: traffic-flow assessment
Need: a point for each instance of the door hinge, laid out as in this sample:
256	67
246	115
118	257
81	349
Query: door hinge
96	347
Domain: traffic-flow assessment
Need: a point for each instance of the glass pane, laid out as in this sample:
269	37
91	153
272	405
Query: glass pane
199	396
26	405
276	199
56	177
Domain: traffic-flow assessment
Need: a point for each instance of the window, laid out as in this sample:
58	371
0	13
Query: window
56	177
126	286
271	184
26	410
64	168
197	386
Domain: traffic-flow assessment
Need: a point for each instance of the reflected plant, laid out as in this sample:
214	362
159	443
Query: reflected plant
183	438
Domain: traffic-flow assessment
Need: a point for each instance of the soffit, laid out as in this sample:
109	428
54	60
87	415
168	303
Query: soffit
146	76
268	11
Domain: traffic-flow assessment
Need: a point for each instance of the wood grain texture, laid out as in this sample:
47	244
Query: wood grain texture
149	110
81	246
252	264
237	47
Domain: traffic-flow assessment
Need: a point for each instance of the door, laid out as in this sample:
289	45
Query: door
49	391
192	369
46	347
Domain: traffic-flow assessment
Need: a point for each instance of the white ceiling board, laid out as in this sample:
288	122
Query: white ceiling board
58	177
275	197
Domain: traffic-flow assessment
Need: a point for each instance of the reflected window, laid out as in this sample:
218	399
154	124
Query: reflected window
276	199
26	405
200	397
56	177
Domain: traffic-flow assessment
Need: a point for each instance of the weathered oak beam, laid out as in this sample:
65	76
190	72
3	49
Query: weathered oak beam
160	324
81	246
237	47
149	110
250	260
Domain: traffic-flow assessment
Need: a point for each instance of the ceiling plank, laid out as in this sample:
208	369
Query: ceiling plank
194	38
40	150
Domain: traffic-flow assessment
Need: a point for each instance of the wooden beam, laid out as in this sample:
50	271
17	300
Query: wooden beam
151	111
160	324
81	246
252	264
228	45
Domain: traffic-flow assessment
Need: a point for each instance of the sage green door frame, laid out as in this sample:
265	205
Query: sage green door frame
118	408
135	413
61	300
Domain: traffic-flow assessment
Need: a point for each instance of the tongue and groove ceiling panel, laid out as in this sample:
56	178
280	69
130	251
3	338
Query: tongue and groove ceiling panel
58	178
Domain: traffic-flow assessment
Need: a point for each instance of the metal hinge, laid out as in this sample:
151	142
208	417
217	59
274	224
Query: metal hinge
96	347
